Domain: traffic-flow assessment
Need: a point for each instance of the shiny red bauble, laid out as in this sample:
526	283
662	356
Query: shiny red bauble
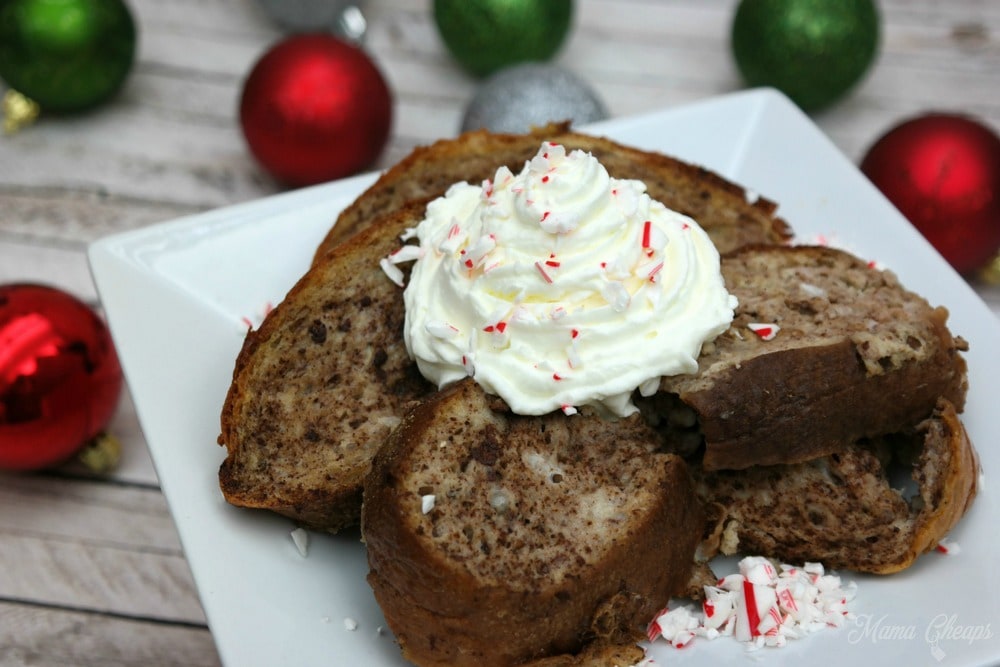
60	379
315	108
942	171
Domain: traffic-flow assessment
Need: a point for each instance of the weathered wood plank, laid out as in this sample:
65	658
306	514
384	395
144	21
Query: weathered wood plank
93	511
100	577
38	635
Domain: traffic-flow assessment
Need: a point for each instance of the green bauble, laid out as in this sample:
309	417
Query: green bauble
66	55
812	50
487	35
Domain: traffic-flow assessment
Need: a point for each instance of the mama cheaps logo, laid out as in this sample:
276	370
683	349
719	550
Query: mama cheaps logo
941	628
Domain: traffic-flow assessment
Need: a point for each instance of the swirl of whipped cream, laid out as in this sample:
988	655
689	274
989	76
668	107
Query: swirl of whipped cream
561	287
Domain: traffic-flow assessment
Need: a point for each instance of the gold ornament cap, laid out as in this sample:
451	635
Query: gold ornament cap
990	273
18	111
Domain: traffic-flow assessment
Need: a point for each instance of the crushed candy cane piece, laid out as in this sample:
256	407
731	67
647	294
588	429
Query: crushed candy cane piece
948	547
301	539
350	624
760	606
442	330
765	331
427	503
394	273
406	253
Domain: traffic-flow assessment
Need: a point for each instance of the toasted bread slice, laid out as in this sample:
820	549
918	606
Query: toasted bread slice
317	388
848	510
854	355
731	216
497	539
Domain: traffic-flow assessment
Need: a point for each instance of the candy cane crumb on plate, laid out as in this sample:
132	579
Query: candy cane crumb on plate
760	605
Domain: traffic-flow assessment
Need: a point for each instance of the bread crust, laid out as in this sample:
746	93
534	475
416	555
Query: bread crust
723	208
449	604
948	485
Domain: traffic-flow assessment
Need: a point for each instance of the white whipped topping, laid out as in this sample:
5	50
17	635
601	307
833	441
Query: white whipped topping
561	287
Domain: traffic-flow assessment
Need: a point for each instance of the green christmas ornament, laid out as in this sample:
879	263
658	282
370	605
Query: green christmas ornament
66	55
812	50
486	35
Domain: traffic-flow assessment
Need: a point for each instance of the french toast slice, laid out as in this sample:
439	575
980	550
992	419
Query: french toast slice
732	216
317	388
498	539
854	354
849	510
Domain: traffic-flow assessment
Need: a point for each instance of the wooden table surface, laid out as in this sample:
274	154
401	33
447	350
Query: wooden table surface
92	570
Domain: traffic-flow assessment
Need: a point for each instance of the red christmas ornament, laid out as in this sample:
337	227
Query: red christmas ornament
942	171
315	108
60	378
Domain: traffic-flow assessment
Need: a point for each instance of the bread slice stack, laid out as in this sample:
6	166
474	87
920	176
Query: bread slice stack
562	534
318	387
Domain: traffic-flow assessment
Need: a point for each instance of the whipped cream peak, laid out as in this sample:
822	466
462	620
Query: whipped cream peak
560	287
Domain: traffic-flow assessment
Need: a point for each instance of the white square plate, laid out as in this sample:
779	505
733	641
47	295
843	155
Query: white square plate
177	294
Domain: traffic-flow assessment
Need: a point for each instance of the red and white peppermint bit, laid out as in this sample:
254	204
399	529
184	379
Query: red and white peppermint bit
545	275
406	253
468	365
265	311
442	330
760	606
573	358
392	271
478	251
499	327
948	547
569	410
764	331
655	270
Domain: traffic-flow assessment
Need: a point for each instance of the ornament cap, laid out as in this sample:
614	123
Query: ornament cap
102	454
18	111
990	274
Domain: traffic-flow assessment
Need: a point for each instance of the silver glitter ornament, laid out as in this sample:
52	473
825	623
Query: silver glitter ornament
519	97
340	17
